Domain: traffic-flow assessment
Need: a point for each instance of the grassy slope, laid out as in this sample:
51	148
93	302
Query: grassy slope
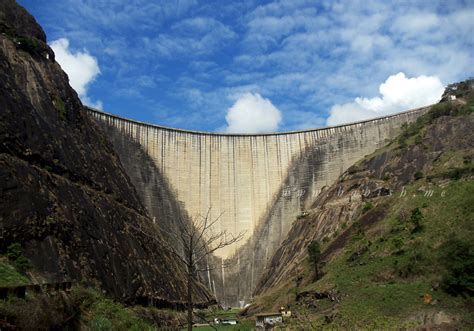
9	276
383	285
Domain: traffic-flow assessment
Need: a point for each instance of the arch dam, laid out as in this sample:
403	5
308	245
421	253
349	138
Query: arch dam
257	183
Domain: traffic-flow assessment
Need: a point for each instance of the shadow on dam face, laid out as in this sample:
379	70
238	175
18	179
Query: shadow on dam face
259	183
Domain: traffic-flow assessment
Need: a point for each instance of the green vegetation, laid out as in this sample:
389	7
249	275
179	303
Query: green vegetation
383	274
416	218
9	276
15	255
413	133
29	45
400	262
50	220
105	314
459	260
82	306
454	174
367	206
314	253
60	107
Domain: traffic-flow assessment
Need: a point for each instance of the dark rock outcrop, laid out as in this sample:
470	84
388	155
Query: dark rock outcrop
65	196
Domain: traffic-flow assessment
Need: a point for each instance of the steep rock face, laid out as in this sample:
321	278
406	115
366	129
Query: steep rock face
64	194
385	172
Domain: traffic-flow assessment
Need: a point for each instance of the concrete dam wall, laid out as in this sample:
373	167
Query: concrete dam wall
259	183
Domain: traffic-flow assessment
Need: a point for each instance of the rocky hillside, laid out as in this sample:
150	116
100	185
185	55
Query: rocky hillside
396	234
65	197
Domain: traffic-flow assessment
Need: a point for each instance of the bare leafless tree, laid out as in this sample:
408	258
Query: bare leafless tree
192	242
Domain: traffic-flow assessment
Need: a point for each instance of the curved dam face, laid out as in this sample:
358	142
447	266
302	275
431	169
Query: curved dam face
256	184
241	177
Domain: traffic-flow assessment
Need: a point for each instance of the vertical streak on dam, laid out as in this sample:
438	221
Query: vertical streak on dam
244	177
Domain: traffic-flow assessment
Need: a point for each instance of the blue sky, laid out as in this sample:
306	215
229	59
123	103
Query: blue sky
258	66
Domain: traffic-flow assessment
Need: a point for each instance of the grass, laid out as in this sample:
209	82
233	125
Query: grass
9	276
386	284
102	313
383	272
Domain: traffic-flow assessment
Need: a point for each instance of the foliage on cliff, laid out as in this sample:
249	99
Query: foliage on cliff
407	261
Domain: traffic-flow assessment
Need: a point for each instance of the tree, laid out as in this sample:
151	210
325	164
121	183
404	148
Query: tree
314	252
193	241
416	219
458	258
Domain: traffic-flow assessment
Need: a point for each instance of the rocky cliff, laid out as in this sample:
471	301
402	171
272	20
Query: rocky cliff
65	196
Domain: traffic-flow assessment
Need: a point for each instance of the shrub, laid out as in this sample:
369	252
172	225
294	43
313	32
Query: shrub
22	263
458	258
467	108
29	45
416	218
418	175
440	109
410	265
14	251
398	244
314	253
418	139
368	206
15	254
50	220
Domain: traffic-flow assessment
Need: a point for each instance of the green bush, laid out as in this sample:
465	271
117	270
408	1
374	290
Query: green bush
418	139
458	258
357	232
101	323
410	265
440	109
29	45
368	206
15	255
314	253
14	251
416	219
398	243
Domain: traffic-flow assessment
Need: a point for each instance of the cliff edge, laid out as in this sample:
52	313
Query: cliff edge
65	197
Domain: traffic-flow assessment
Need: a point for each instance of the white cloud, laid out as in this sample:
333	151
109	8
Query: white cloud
398	93
81	67
415	23
252	114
